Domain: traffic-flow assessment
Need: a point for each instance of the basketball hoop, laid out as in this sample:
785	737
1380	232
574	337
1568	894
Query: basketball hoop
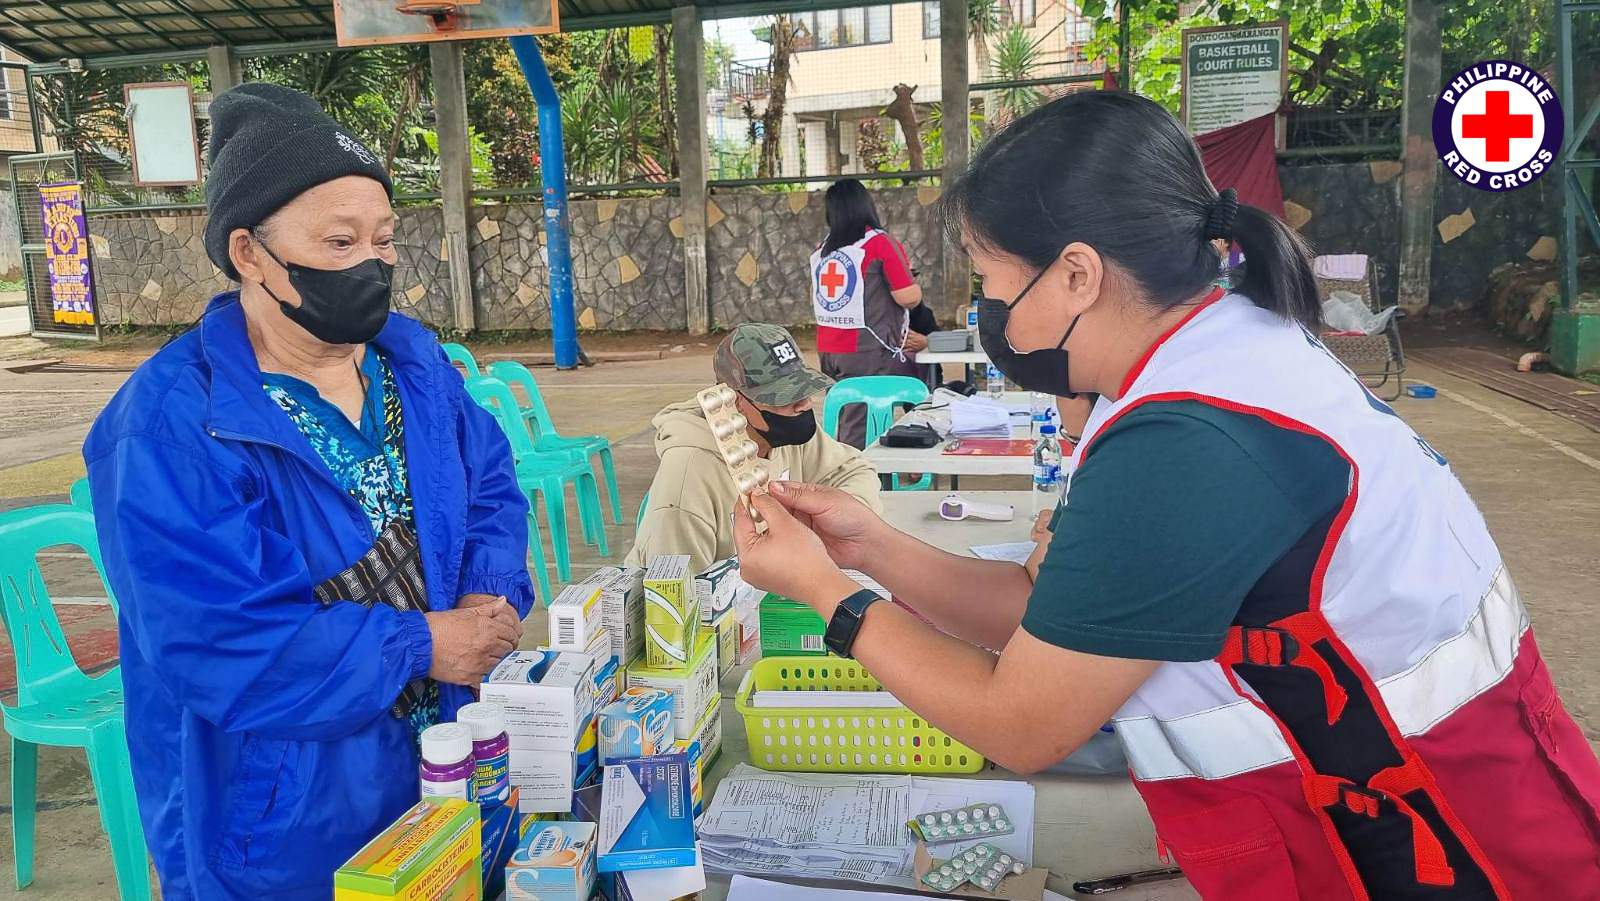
441	14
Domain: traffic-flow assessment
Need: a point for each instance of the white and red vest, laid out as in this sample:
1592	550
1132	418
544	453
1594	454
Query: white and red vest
1380	723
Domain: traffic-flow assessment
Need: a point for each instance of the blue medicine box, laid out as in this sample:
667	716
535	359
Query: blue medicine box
646	814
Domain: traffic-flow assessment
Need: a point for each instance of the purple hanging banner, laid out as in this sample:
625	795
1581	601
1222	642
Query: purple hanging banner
66	252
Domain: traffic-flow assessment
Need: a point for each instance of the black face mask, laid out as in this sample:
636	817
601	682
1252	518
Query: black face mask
1043	370
338	306
787	431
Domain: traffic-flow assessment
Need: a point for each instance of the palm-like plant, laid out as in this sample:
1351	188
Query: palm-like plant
983	21
1015	56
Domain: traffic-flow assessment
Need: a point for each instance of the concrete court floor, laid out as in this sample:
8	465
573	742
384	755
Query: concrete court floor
1535	475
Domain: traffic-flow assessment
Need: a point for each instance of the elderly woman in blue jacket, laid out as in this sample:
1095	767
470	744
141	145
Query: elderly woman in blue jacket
316	537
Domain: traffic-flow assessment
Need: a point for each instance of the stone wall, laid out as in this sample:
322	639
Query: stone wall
759	245
152	268
628	265
1355	208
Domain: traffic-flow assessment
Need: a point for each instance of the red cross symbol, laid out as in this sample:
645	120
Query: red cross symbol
1497	126
832	278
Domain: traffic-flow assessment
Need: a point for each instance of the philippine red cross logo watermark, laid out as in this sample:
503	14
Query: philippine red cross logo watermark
1497	125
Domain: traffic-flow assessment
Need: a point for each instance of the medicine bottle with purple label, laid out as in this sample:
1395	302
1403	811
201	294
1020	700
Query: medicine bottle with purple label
447	766
491	751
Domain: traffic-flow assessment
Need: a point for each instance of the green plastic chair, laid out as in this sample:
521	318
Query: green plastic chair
57	703
79	492
462	357
545	474
545	437
638	518
881	394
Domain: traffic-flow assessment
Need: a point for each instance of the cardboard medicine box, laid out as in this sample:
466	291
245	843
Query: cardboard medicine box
622	610
726	629
646	815
671	612
433	852
638	724
576	614
548	697
790	628
554	862
545	780
692	689
702	749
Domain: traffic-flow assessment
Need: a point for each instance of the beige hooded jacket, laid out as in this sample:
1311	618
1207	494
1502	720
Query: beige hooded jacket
691	501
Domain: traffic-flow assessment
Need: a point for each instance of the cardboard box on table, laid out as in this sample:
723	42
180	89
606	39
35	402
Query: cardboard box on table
646	815
790	628
577	614
548	697
433	851
692	689
554	862
702	749
547	779
622	610
671	612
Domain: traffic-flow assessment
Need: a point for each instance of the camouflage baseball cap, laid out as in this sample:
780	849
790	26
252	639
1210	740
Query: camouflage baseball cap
763	363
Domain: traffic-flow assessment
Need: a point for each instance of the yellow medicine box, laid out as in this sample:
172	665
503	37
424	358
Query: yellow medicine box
430	854
671	612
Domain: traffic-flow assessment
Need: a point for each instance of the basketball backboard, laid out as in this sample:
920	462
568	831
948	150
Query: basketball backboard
360	23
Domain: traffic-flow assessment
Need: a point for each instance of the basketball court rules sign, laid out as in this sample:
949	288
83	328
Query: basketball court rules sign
1497	125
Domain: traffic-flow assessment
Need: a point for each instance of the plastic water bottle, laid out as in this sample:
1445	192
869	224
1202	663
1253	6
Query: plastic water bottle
996	383
1046	469
972	320
1042	410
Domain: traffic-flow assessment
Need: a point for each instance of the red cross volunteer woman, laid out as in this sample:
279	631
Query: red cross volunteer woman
315	536
862	292
1313	653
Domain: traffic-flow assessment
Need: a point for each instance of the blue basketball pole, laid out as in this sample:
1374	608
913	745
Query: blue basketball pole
557	224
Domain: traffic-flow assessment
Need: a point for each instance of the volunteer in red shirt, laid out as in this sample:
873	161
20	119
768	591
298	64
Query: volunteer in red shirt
862	292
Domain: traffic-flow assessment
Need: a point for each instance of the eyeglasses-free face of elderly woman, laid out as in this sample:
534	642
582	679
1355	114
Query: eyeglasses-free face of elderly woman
316	537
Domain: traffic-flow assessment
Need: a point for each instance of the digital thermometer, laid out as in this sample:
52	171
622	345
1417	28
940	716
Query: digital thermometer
956	507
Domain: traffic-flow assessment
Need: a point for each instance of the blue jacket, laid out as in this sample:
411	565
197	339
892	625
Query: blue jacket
263	750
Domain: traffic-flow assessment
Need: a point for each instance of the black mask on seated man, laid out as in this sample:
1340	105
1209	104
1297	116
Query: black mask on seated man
788	431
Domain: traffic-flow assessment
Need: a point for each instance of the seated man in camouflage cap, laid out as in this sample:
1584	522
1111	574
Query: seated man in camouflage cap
692	498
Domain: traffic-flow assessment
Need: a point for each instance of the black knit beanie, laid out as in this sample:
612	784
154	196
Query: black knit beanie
269	144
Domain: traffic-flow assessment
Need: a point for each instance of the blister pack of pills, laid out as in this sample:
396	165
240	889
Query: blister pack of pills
945	876
740	453
961	824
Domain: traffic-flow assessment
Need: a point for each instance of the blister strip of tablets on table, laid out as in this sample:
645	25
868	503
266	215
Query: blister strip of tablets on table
999	866
964	867
739	452
961	824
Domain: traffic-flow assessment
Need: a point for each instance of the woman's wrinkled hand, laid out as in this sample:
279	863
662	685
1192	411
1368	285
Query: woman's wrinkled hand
470	640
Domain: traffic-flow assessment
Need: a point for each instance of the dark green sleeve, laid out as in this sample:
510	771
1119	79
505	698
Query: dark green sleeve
1177	512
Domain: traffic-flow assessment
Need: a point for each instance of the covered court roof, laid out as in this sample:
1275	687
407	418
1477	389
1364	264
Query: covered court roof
47	31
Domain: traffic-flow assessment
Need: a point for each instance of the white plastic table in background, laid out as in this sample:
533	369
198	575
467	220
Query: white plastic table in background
1084	827
966	358
935	460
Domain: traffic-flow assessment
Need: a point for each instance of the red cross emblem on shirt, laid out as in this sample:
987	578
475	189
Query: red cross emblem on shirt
1497	125
832	278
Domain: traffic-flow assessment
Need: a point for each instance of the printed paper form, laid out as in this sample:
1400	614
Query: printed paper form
745	888
797	810
741	831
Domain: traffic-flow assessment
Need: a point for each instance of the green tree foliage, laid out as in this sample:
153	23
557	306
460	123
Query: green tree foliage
1344	54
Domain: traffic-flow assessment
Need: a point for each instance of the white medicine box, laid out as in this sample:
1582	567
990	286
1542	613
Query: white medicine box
577	613
548	697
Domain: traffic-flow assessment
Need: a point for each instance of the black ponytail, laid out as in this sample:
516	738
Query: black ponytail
1276	274
1117	172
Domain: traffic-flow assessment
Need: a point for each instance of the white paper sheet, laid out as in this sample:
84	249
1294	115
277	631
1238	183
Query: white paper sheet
835	826
824	699
1011	552
749	888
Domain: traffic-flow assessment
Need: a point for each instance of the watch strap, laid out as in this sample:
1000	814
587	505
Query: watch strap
840	637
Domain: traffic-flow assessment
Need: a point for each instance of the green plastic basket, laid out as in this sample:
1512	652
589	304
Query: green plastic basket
840	739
